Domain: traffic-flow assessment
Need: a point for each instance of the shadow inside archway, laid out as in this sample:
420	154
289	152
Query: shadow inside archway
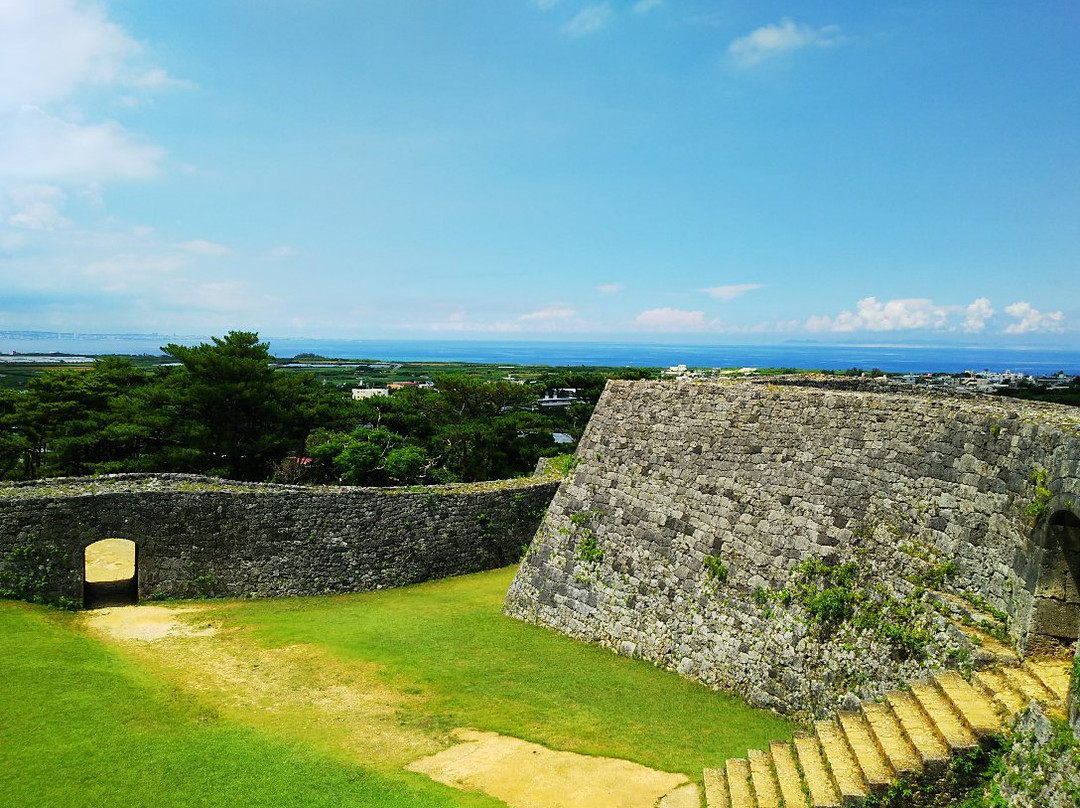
1056	617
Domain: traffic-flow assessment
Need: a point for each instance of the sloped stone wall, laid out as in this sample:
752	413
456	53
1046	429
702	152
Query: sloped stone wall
739	532
201	536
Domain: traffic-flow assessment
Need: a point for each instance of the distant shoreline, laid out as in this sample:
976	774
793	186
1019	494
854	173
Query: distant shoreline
807	356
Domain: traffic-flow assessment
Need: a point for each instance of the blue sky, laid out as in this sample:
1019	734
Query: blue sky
654	170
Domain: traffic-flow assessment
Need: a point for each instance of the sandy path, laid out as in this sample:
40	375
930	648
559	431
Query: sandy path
302	693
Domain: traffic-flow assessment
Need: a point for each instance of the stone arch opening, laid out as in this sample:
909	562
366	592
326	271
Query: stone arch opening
1056	611
110	573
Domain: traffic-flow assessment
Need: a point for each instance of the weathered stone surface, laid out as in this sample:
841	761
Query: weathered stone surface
1041	768
676	480
201	536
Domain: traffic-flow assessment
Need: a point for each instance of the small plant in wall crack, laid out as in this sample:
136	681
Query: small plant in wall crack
715	569
588	550
1039	507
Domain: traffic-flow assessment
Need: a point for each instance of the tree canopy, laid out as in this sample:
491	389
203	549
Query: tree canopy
222	409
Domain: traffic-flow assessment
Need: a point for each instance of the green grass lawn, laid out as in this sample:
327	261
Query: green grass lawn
449	641
85	724
82	726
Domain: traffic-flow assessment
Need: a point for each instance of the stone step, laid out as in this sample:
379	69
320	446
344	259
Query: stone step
822	792
891	740
1053	674
975	708
987	650
845	770
860	738
766	789
943	717
716	789
932	751
1029	687
787	775
738	779
998	688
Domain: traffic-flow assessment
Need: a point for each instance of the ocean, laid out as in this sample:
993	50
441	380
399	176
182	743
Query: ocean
809	356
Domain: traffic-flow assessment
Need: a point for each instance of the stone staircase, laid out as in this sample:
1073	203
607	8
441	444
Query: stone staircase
909	734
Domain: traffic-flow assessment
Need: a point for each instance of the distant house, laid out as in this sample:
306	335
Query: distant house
560	397
400	385
369	392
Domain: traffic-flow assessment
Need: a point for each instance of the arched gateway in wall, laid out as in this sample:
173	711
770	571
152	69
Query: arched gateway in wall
110	573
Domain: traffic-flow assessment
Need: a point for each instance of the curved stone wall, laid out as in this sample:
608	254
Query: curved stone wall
202	536
739	532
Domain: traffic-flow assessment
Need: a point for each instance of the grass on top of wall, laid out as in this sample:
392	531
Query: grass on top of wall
475	667
80	725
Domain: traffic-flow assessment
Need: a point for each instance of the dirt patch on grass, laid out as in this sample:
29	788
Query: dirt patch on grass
146	623
297	691
304	694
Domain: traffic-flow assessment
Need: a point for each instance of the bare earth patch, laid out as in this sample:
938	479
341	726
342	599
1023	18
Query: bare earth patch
146	623
302	693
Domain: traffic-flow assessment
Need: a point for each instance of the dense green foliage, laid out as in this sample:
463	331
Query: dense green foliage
221	408
470	665
83	726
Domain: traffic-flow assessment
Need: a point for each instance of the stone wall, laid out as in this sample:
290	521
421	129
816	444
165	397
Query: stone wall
201	536
1040	767
799	545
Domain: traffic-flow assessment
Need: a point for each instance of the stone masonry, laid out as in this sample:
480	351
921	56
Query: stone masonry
201	536
808	546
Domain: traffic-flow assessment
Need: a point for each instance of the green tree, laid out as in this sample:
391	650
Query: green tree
237	412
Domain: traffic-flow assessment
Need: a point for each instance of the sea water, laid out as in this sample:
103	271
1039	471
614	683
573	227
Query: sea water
807	356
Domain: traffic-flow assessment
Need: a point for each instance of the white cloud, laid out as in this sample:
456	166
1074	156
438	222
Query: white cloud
157	79
553	312
977	314
590	20
731	292
41	147
771	41
36	207
669	319
201	247
281	252
49	47
610	288
645	6
1032	321
129	272
893	315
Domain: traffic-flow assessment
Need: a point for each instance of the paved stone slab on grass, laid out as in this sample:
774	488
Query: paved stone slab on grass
527	775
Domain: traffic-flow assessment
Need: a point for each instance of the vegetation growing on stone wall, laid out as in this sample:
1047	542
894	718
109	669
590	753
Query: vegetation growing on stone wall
588	550
715	569
1039	507
1019	772
935	575
31	573
835	598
